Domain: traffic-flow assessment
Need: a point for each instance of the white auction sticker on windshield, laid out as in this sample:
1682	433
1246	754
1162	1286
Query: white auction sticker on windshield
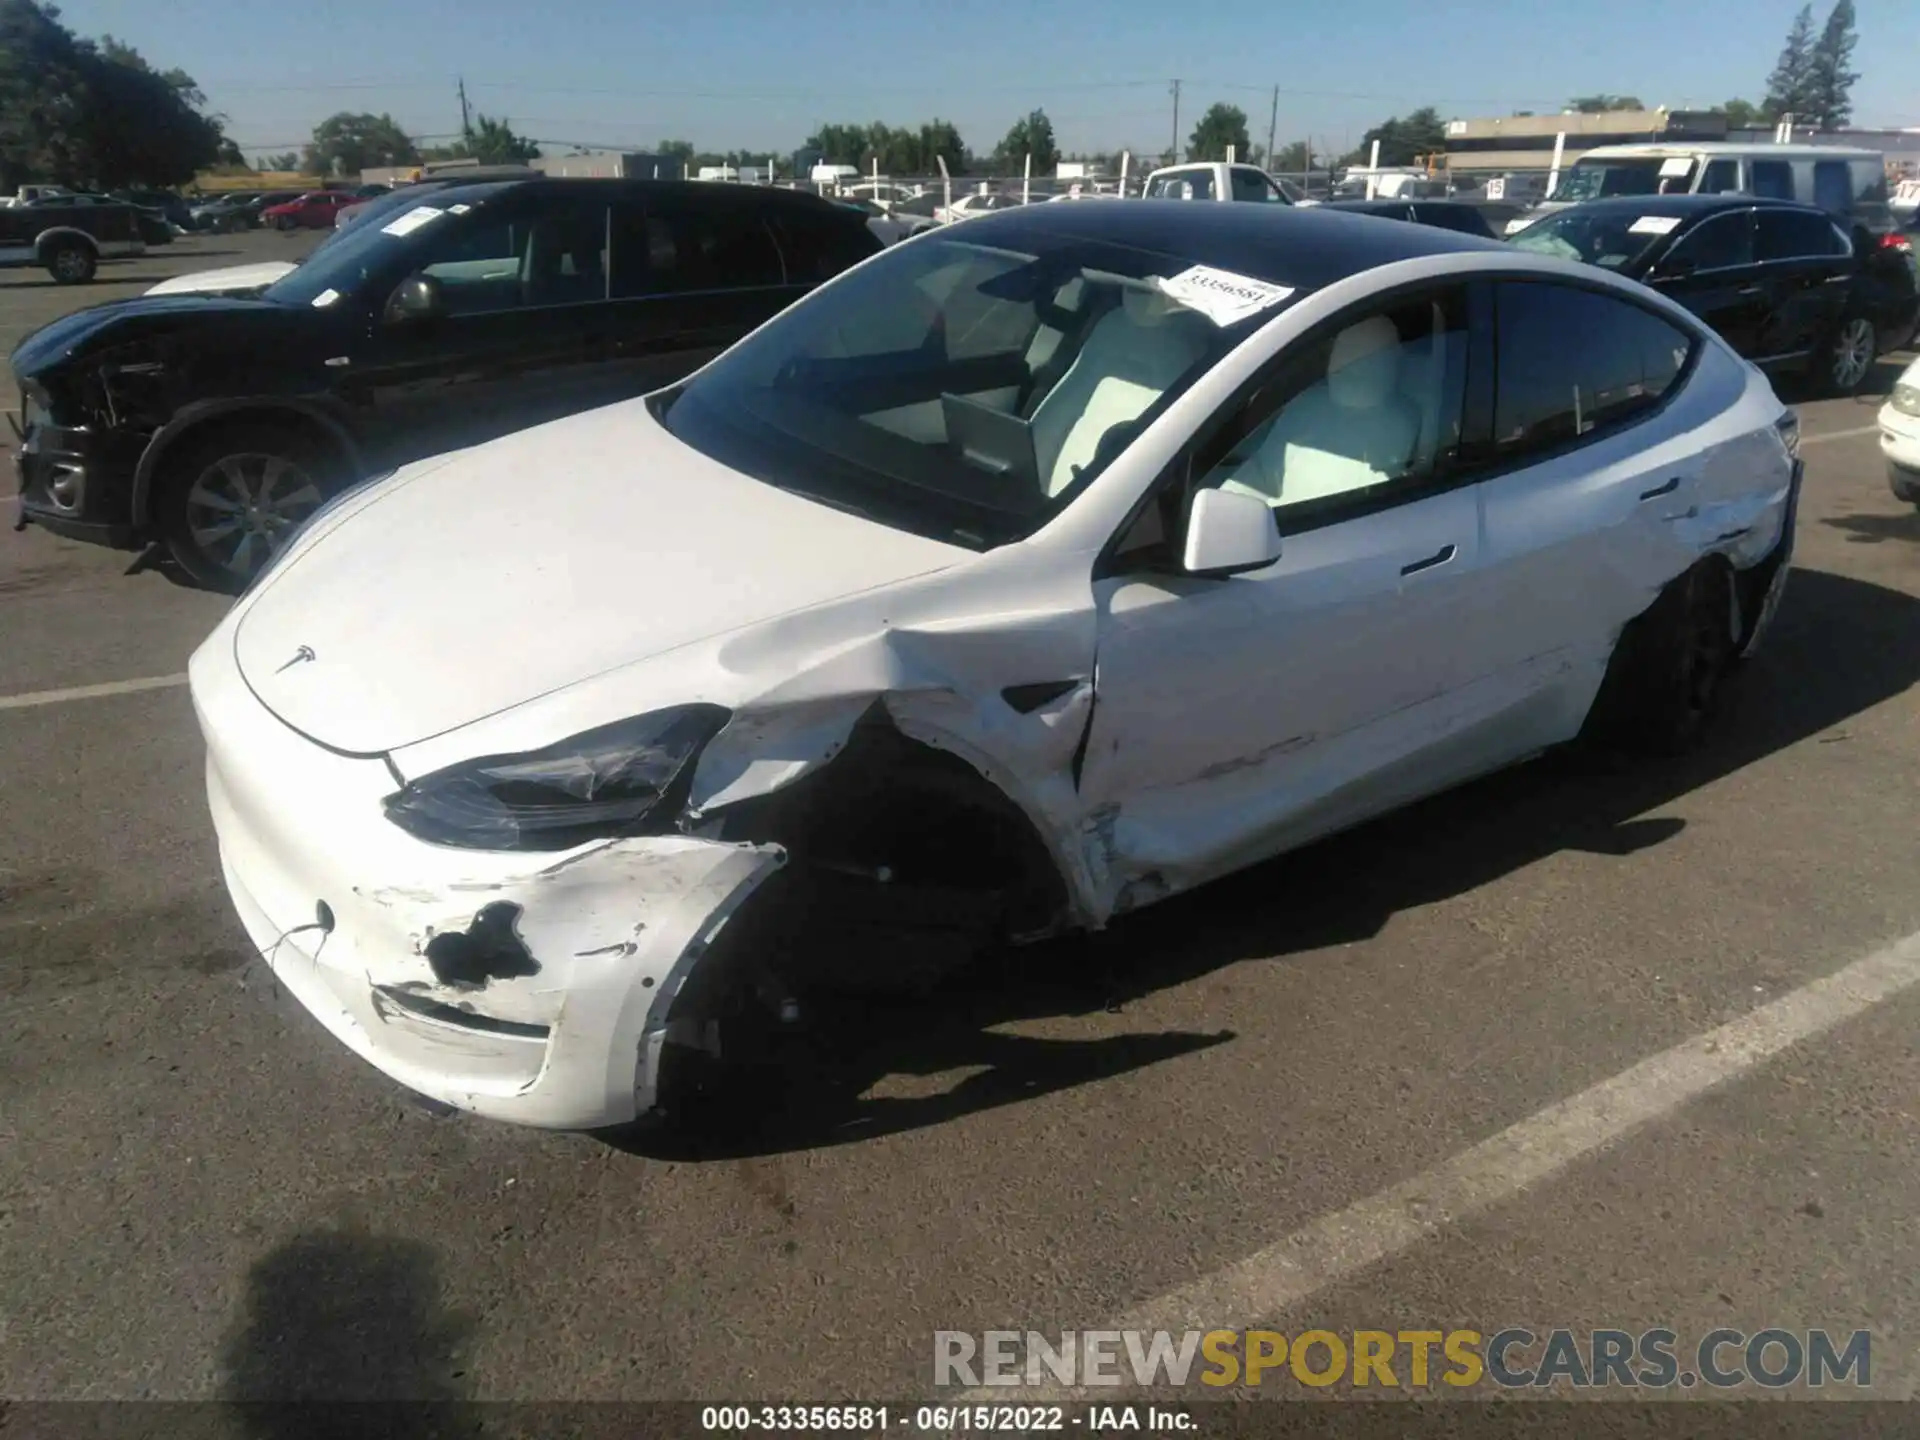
412	220
1653	224
458	209
1676	165
1222	296
325	298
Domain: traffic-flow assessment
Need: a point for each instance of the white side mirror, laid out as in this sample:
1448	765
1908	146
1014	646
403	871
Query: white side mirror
1229	533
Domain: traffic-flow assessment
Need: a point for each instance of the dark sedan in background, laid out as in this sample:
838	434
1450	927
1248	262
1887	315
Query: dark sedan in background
1788	286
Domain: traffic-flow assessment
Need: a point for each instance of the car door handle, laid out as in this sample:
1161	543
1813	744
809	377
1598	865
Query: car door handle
1836	280
1750	290
1439	557
1665	489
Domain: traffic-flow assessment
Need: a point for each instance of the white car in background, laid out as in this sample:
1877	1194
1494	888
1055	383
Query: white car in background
1900	435
225	280
1013	580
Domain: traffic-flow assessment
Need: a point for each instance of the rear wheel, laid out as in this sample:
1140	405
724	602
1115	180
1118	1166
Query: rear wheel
1848	356
234	498
1663	689
284	222
70	262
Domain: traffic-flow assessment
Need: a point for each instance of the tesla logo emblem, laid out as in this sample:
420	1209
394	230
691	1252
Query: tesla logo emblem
305	652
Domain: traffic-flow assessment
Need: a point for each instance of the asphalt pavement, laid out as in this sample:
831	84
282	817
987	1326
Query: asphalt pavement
1446	1071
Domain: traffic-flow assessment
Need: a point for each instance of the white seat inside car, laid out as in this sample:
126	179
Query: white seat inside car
1129	360
1359	425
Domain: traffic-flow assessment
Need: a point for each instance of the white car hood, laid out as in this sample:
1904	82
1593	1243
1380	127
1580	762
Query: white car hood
229	277
475	582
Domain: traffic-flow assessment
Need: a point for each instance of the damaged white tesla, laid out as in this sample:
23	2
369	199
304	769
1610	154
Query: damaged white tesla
1030	572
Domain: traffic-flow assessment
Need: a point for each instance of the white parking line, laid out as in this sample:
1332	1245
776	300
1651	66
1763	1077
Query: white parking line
1840	434
88	692
1336	1247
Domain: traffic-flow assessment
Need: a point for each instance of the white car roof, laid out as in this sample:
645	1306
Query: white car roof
1712	148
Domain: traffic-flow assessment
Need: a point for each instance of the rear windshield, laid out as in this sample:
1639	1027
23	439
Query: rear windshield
1652	175
966	391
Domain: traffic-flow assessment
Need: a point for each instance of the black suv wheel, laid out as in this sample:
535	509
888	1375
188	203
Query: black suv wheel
230	500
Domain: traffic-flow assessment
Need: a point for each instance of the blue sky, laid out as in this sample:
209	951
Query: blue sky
757	74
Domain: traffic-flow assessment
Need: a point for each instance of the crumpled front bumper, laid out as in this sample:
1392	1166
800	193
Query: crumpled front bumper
567	1036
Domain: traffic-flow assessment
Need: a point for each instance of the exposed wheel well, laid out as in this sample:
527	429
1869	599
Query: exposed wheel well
904	863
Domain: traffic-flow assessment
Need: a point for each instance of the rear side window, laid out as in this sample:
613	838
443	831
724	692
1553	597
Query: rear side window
1550	394
669	250
819	246
1773	179
1249	186
1796	235
1869	182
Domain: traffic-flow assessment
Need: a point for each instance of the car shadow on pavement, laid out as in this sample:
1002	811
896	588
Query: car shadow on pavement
1838	647
340	1323
1872	529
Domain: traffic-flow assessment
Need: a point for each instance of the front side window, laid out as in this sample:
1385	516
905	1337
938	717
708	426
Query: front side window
1371	410
966	391
1797	235
553	254
1551	394
1833	186
1722	242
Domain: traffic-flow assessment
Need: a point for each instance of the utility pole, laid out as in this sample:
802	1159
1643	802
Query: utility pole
1174	151
1273	125
466	123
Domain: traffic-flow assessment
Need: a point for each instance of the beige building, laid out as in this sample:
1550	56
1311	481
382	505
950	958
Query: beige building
1521	143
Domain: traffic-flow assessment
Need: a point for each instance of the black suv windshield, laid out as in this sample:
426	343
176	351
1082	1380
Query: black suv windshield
340	266
1614	239
961	389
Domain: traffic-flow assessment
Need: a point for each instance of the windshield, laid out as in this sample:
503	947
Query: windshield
368	246
966	391
1615	239
1653	175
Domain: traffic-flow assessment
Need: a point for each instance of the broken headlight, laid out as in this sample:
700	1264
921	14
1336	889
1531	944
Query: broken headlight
604	782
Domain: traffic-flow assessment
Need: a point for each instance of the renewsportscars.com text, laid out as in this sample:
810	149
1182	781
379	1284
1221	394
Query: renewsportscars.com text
1510	1358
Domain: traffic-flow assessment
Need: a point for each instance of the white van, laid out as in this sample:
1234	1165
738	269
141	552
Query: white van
1849	183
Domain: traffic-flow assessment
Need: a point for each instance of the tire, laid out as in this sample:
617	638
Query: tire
71	263
1664	685
231	498
1846	360
283	223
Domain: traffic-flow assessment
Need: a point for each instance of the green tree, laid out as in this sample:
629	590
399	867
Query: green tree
1742	114
1032	134
286	160
1829	81
1290	159
1603	102
1221	126
82	112
1790	86
347	143
492	142
1403	141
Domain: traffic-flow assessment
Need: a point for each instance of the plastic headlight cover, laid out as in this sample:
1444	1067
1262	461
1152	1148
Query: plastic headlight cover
603	782
1906	398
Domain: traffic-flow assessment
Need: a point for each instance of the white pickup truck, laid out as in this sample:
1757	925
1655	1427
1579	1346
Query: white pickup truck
1219	180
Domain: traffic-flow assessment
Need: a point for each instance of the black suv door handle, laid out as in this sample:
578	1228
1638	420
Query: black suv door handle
1657	491
1439	557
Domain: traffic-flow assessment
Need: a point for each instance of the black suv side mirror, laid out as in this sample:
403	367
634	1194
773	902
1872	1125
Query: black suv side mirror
417	298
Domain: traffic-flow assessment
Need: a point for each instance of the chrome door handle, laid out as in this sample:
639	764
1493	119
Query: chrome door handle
1439	557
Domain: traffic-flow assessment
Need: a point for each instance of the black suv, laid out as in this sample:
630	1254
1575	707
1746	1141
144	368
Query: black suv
215	424
1792	288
